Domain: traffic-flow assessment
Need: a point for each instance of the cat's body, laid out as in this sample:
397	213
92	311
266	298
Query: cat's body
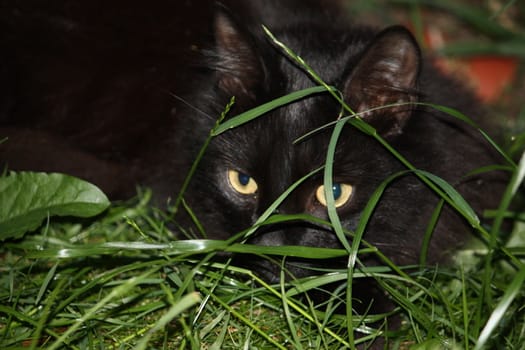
159	142
94	81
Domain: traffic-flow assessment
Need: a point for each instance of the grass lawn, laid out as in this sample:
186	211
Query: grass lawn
120	281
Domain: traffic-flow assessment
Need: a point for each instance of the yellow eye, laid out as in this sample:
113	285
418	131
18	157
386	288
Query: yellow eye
342	193
242	183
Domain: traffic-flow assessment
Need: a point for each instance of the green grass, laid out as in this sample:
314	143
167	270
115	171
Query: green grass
120	281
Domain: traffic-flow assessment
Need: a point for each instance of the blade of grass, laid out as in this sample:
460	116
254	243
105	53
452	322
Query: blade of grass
515	182
50	301
267	107
180	306
186	248
286	310
119	291
26	319
45	284
334	92
500	309
214	323
458	115
246	321
297	308
217	344
328	185
272	208
428	233
455	197
202	150
464	304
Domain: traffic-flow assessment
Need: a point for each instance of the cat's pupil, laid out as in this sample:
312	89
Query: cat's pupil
243	179
336	190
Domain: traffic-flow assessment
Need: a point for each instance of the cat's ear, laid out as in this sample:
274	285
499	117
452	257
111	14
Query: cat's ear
386	74
238	66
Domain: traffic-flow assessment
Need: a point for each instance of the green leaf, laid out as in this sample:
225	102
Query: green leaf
28	198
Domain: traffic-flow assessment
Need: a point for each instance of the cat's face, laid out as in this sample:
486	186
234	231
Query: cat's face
244	170
249	168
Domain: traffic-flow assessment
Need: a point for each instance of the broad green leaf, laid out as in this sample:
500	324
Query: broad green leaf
28	198
457	114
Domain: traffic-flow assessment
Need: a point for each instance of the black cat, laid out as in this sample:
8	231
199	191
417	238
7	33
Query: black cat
112	106
245	169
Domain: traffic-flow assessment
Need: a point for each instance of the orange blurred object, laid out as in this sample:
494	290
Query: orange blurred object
491	74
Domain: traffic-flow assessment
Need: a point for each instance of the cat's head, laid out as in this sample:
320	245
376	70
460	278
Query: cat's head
244	170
